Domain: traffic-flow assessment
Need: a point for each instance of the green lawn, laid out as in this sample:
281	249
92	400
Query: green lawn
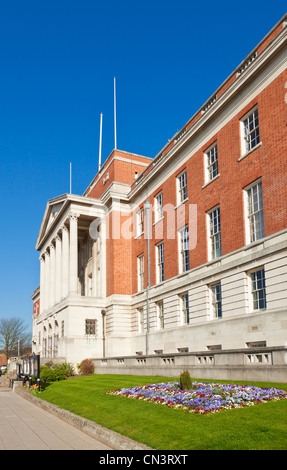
258	427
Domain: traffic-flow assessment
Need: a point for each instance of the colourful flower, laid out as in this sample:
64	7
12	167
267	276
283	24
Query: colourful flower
204	398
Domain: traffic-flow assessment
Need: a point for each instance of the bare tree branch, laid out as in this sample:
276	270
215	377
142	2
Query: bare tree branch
13	330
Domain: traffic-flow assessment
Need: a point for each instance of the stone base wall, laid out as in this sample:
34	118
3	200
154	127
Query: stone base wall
256	364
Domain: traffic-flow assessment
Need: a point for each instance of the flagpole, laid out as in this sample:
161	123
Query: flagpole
100	145
70	177
115	113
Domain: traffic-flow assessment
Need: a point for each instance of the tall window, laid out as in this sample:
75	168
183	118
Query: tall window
254	210
160	262
250	131
140	320
184	308
140	272
160	315
258	289
140	222
184	249
214	233
216	300
181	187
158	207
91	327
211	163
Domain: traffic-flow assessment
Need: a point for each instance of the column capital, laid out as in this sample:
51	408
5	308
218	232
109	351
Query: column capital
73	216
64	228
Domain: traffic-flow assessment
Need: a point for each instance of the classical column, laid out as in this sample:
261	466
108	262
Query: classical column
73	253
52	275
58	276
65	261
103	258
94	270
42	283
47	279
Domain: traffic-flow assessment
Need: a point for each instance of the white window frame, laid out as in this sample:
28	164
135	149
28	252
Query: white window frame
215	310
248	127
140	269
184	308
140	312
214	233
160	315
208	154
251	234
255	288
181	185
159	262
140	222
158	207
183	247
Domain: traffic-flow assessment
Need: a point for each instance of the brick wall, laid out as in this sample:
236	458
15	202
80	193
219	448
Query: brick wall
267	161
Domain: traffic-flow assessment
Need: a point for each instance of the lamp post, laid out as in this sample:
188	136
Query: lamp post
148	237
103	312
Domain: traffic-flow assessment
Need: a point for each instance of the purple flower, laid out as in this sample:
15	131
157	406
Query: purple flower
205	397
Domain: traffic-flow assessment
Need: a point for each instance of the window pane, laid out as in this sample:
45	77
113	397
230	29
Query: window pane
215	233
212	163
251	131
216	300
258	289
255	212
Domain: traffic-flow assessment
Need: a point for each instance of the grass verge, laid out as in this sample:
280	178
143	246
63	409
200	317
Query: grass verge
259	427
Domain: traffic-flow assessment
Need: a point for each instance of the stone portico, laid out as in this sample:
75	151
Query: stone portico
72	278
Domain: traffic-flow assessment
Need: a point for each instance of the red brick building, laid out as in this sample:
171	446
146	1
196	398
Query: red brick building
189	266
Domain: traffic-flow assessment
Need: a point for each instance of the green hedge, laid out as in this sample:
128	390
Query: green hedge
54	372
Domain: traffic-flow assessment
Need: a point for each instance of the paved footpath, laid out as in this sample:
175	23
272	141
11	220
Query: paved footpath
25	426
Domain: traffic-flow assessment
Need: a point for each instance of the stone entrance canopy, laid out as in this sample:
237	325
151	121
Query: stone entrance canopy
67	250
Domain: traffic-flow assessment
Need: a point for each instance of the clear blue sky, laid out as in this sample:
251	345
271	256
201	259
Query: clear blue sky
58	60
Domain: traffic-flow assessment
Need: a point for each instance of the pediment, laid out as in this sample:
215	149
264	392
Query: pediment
52	211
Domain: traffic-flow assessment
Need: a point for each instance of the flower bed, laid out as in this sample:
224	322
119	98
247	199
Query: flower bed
204	397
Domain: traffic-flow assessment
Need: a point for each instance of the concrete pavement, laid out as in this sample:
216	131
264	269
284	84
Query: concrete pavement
25	426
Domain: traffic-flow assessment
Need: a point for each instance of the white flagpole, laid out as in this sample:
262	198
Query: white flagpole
115	113
100	145
70	177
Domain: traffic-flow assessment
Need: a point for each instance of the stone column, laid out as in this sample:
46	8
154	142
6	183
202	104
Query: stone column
103	258
73	253
42	283
58	276
47	279
95	274
65	261
52	275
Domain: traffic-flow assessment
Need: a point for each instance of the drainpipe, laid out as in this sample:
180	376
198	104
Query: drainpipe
147	221
103	312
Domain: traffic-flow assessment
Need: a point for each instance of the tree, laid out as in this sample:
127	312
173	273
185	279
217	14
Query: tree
13	330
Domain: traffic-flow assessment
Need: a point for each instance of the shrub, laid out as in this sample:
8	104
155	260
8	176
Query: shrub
185	380
87	367
51	375
66	367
